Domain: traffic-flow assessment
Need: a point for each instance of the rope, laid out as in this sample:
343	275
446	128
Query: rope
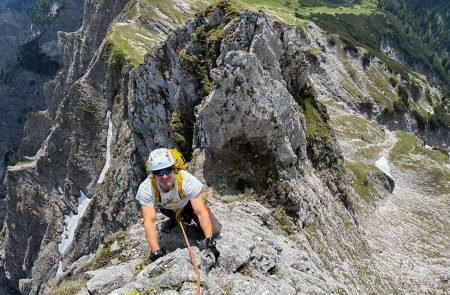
192	256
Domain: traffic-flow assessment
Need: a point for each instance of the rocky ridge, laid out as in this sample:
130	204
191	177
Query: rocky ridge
23	72
250	100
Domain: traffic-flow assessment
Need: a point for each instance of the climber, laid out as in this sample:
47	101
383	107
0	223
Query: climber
177	194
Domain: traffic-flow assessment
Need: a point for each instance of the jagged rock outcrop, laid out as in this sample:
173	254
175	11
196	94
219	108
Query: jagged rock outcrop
250	113
69	15
254	259
26	53
78	48
63	165
237	90
155	90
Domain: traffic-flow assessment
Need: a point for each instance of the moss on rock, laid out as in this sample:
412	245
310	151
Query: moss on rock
315	115
279	214
177	131
102	258
67	287
317	127
88	107
315	52
117	236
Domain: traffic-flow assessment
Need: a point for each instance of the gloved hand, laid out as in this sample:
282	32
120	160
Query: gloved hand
211	250
157	254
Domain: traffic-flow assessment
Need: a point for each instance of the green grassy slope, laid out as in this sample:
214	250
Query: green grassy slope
410	154
136	33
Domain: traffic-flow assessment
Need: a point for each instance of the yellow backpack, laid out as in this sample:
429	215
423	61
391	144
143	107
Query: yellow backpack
180	164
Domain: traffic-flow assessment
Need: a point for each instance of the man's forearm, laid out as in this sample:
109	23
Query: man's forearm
205	223
151	235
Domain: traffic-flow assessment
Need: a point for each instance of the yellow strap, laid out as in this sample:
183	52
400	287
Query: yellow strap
179	184
155	189
178	211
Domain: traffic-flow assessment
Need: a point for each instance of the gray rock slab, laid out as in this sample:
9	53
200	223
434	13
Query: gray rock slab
105	280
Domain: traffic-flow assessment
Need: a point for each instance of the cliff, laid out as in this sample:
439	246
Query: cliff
30	58
286	126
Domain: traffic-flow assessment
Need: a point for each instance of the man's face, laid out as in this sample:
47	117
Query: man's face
165	177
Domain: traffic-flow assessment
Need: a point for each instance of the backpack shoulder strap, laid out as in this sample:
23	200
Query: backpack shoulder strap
156	190
180	185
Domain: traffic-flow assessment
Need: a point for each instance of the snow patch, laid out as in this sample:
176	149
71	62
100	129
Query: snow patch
60	190
60	271
54	9
71	221
108	148
383	165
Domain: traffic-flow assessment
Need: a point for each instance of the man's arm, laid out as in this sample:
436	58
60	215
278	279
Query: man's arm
149	214
198	205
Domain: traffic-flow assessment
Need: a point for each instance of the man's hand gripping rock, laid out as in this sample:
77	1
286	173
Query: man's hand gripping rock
210	255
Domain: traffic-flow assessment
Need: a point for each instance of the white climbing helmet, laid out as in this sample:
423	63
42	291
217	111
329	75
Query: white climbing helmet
160	159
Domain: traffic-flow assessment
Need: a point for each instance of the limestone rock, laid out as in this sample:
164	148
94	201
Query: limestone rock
105	280
283	197
114	247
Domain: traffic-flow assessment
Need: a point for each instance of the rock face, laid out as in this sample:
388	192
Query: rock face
235	92
25	54
251	113
254	259
19	94
13	31
57	165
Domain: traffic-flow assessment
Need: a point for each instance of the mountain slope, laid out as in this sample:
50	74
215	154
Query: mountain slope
430	20
284	125
29	59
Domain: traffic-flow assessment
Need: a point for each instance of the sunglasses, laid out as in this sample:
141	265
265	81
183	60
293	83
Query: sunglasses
165	171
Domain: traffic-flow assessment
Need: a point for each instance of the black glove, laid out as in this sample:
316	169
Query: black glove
211	250
157	254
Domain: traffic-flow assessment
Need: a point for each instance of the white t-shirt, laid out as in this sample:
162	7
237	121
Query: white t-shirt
169	200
